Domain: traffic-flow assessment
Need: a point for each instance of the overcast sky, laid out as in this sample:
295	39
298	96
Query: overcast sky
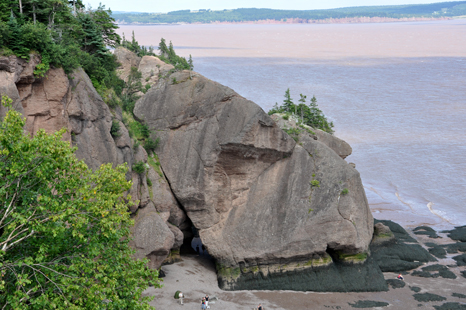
173	5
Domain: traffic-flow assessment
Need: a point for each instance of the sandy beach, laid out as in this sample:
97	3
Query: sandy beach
195	277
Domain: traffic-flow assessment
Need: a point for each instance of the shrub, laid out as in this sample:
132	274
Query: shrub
139	167
136	145
115	129
344	191
150	144
315	183
310	114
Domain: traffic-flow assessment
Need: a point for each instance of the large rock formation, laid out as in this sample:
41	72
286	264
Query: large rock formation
58	101
274	214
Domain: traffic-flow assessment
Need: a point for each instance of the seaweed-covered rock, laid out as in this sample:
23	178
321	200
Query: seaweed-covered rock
458	234
426	230
415	289
398	256
454	248
314	275
447	274
426	297
458	295
451	306
368	304
424	274
395	283
438	251
460	259
382	235
435	267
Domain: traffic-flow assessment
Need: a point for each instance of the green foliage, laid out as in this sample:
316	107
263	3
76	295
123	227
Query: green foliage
456	8
293	133
139	167
64	228
286	117
168	55
155	163
63	39
134	47
115	129
310	114
151	144
315	183
133	86
136	146
345	191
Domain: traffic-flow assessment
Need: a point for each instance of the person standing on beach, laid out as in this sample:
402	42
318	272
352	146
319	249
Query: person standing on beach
180	295
203	306
207	301
260	307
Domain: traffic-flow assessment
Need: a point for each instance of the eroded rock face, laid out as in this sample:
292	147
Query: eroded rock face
152	238
55	102
263	204
127	59
340	147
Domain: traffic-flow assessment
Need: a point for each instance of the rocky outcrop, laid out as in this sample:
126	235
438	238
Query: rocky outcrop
340	147
58	101
127	59
15	71
268	209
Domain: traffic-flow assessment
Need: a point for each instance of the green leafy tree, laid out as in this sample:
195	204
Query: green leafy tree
64	229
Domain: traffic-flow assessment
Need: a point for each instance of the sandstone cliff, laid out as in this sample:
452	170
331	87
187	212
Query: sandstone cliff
273	212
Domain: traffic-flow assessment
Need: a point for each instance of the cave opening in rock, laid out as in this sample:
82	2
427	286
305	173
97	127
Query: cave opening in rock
192	243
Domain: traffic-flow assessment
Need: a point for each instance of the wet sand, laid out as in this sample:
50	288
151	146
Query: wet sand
195	277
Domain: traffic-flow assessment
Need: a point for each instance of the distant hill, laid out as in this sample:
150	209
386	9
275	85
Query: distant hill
436	10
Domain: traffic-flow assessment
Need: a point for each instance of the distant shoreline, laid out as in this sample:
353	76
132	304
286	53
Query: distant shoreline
345	20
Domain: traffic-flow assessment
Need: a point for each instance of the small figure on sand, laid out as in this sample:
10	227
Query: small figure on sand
180	295
207	301
203	305
400	277
260	307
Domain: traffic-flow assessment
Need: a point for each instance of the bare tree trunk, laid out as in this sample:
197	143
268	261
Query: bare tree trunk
74	7
34	13
20	7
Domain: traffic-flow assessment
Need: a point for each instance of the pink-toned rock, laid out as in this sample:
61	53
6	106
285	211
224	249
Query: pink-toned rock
340	147
152	238
27	74
127	59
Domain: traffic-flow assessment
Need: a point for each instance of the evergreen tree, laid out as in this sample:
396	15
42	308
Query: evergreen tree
288	102
310	115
